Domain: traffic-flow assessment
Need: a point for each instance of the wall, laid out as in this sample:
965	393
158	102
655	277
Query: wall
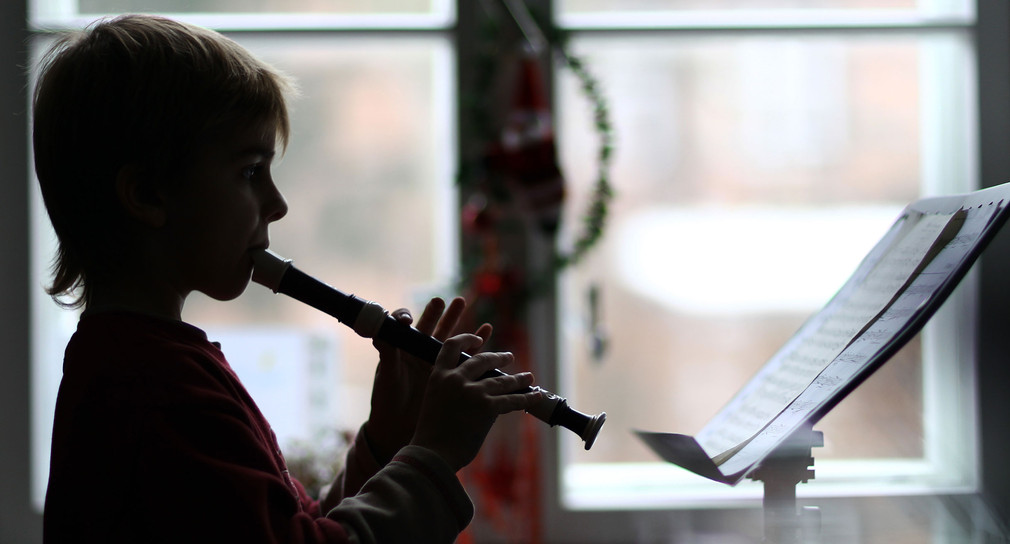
18	521
994	318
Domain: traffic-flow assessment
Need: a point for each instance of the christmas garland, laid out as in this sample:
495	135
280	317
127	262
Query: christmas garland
596	214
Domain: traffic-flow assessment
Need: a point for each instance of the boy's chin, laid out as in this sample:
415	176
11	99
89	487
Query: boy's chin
228	293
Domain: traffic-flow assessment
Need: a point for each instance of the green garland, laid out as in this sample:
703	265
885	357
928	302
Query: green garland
596	215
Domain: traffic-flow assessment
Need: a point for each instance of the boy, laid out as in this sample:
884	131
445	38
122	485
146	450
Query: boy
153	145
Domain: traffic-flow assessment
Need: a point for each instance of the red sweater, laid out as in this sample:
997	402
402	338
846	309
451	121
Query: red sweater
156	440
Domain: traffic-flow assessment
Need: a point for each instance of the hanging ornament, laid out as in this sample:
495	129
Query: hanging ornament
479	217
525	153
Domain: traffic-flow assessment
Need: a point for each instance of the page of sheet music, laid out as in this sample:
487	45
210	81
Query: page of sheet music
850	315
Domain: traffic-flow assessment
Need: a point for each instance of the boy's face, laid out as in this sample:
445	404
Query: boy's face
220	212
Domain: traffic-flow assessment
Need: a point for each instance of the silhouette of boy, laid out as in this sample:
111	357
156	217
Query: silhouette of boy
153	145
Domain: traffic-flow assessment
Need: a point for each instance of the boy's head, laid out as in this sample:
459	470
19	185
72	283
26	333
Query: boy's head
141	94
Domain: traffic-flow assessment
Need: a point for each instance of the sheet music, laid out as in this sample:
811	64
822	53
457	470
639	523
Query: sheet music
800	363
932	245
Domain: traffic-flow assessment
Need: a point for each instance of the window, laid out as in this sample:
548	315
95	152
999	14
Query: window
736	122
761	151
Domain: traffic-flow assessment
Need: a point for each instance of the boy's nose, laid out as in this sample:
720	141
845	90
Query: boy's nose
275	206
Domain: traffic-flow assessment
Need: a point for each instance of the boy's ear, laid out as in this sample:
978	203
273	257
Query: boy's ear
140	196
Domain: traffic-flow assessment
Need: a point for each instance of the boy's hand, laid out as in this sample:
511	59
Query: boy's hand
459	408
400	379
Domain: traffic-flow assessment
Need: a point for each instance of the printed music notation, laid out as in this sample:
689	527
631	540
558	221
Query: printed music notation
898	286
843	321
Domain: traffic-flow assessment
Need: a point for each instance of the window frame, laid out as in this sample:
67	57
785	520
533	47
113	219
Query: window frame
19	521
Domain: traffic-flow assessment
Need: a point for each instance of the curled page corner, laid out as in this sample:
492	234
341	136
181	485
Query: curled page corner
684	451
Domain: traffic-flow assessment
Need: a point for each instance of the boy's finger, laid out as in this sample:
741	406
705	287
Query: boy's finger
430	316
449	321
503	404
479	364
485	331
403	316
452	348
508	384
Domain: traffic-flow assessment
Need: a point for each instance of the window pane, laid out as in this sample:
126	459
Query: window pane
260	6
566	7
752	173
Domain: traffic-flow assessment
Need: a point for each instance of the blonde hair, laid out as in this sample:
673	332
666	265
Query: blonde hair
133	90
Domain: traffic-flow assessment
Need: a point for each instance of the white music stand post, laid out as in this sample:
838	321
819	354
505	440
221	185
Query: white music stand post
785	468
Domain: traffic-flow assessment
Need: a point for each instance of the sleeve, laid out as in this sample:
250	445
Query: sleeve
360	464
415	498
207	464
205	476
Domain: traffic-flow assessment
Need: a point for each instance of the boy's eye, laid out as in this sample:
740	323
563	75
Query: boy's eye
250	171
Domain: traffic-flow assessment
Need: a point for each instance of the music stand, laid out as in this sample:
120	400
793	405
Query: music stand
779	452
